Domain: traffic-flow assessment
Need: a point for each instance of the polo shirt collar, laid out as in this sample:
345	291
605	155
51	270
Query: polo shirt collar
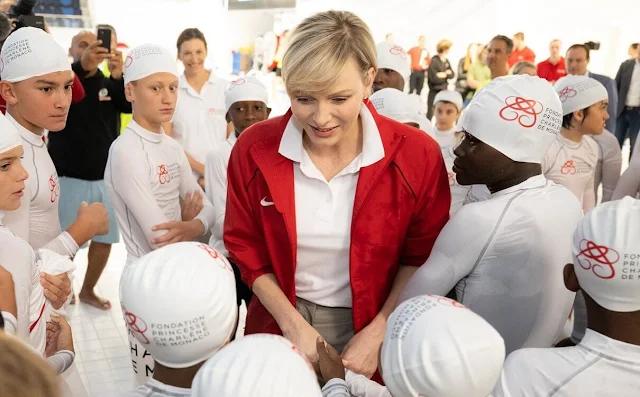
372	147
184	84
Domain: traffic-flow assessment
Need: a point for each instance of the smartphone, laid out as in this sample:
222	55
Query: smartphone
105	36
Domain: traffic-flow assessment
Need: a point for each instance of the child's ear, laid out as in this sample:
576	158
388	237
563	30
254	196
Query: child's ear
268	112
226	116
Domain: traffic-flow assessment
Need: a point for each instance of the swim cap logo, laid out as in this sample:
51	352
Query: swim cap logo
53	188
598	258
220	260
163	174
397	50
236	83
448	302
568	168
525	111
566	93
136	325
128	61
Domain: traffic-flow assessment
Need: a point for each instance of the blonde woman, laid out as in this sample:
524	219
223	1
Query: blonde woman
331	208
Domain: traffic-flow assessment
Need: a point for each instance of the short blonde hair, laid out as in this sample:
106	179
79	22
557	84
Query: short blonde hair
443	46
23	372
320	47
519	67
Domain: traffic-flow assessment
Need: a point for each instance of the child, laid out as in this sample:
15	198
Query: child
262	365
607	360
179	303
147	172
245	101
433	346
572	159
400	107
447	105
393	67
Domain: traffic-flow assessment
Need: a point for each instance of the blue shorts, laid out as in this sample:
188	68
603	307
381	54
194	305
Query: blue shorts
73	192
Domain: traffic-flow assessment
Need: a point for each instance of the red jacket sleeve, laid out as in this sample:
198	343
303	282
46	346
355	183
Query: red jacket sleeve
431	212
3	105
242	236
77	90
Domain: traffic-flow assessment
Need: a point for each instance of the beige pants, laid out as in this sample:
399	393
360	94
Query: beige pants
334	324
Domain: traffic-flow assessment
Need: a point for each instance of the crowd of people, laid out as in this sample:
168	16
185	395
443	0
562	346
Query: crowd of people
380	252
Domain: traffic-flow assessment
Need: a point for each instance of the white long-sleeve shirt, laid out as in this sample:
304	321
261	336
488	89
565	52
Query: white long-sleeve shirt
609	164
215	179
629	184
460	194
598	366
154	388
505	256
146	175
354	385
37	220
573	165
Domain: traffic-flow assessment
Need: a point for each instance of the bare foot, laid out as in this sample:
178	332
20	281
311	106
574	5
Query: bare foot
90	298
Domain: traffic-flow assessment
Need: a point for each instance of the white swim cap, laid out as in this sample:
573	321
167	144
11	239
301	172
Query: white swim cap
396	105
606	254
520	116
453	97
30	52
579	92
393	57
179	301
245	88
436	347
148	59
257	365
9	135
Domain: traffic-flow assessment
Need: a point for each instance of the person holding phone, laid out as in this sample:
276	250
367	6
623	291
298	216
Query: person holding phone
80	150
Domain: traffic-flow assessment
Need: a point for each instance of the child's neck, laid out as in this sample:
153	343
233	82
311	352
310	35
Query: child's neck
150	126
39	131
177	377
573	135
444	128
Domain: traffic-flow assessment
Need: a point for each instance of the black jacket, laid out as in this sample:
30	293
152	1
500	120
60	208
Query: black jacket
623	81
81	149
436	66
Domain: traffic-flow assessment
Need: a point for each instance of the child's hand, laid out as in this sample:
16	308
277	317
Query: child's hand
331	366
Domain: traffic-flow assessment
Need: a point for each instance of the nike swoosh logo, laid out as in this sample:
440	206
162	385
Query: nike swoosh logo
266	203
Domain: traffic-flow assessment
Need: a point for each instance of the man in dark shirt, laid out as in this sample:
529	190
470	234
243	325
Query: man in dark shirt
80	151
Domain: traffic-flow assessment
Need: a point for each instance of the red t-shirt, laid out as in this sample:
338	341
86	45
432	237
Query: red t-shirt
521	55
77	94
416	54
551	72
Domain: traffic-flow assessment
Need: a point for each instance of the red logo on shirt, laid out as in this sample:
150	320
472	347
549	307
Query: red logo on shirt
568	168
599	258
397	50
452	178
128	61
135	325
220	260
163	174
525	111
566	93
53	188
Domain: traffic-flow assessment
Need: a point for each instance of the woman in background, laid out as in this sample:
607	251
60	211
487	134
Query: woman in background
463	68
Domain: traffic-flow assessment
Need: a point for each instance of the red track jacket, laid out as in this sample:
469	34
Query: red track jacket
401	204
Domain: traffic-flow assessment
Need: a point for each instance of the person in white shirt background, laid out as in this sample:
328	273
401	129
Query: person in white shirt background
433	346
38	95
147	172
199	122
184	328
262	365
606	258
246	104
572	159
504	255
29	311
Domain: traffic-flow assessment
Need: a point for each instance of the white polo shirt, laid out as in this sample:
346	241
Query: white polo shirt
37	221
573	165
598	366
323	215
146	175
633	96
199	120
215	175
505	256
609	164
